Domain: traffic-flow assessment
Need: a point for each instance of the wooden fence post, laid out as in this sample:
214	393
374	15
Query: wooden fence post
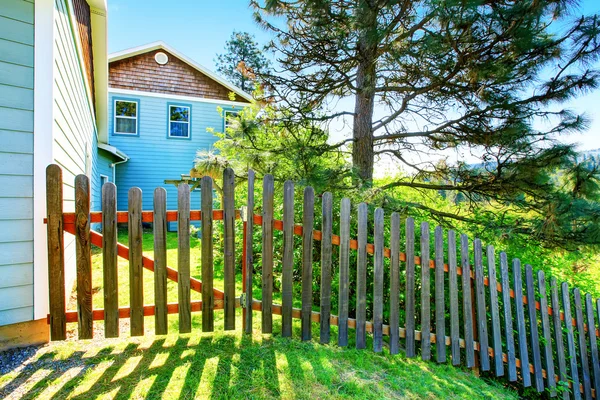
344	281
378	281
249	256
109	259
467	287
160	261
440	298
288	259
183	257
308	213
207	260
229	246
84	257
395	283
136	270
361	272
425	294
267	255
56	252
326	249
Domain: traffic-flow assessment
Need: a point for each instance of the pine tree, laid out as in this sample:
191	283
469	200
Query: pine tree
243	61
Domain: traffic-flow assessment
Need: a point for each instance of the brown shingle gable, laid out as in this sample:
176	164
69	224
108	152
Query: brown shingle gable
142	72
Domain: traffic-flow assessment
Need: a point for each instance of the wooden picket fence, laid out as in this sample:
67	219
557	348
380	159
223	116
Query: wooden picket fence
503	330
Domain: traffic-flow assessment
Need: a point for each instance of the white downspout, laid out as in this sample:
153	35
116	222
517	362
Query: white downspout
114	169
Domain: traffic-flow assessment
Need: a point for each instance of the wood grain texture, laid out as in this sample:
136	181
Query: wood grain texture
508	319
591	323
267	255
136	270
440	296
159	228
326	252
378	282
308	216
183	258
495	312
229	247
109	260
534	335
546	334
520	322
482	329
425	294
344	274
572	354
249	254
395	283
558	335
207	256
287	278
583	351
453	288
56	253
83	250
467	301
361	274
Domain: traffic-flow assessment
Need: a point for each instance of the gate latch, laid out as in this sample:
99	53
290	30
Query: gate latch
243	300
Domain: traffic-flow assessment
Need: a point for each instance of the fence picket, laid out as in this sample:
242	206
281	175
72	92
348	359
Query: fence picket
308	215
558	335
467	301
494	311
453	287
585	365
482	331
136	277
394	283
326	249
508	319
378	282
361	273
288	259
570	340
109	260
160	261
425	294
534	335
56	253
267	255
548	359
440	299
520	316
229	247
591	323
344	279
207	256
183	258
84	257
249	251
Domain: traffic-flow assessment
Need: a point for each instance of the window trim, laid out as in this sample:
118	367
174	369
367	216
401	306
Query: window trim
225	113
137	117
189	107
102	176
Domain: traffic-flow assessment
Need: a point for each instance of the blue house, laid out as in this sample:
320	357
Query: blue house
135	118
161	105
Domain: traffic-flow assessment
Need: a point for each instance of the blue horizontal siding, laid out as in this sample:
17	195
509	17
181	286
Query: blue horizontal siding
154	157
16	161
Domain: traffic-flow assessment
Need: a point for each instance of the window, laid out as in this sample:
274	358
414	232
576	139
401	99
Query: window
103	180
179	121
126	117
230	117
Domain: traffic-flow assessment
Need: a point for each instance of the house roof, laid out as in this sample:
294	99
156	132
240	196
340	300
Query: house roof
120	55
114	151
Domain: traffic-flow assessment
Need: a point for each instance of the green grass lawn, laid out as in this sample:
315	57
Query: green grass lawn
232	365
224	364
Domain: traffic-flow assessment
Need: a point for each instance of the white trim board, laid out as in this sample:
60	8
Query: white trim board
162	45
43	121
176	97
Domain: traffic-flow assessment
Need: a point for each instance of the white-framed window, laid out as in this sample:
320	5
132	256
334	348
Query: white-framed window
230	117
103	180
126	117
179	121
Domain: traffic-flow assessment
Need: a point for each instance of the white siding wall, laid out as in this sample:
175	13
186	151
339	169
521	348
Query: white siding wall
74	127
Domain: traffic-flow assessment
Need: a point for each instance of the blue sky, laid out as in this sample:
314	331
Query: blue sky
199	29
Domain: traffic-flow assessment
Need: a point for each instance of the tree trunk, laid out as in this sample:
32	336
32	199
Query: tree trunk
362	149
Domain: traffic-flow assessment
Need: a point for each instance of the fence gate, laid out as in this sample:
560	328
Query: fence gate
469	308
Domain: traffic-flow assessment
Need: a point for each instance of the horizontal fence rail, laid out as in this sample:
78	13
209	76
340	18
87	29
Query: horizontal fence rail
443	290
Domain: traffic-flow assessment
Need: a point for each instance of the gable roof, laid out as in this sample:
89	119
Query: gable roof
160	45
